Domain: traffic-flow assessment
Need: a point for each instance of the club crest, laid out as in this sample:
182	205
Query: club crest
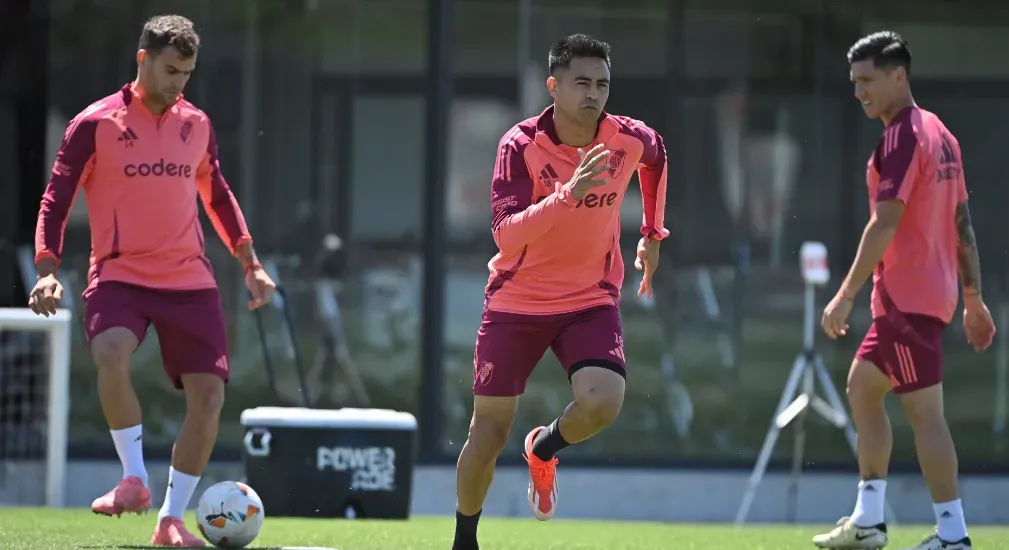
616	162
186	131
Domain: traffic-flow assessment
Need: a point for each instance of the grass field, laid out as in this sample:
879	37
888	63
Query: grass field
36	529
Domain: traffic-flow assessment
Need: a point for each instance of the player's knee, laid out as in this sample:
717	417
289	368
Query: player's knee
204	394
924	408
112	351
488	437
867	385
599	393
490	427
601	410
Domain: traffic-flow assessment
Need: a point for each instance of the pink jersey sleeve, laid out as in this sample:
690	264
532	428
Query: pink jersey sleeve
652	177
897	162
74	162
961	184
517	221
218	200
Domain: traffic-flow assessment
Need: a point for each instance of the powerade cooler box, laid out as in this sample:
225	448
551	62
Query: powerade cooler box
352	463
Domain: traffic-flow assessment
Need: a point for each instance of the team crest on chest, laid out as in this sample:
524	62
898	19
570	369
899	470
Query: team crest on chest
616	162
186	131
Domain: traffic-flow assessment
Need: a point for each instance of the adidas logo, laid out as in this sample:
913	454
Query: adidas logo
548	175
128	137
948	153
618	352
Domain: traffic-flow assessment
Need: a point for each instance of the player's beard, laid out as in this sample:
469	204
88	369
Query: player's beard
167	98
587	116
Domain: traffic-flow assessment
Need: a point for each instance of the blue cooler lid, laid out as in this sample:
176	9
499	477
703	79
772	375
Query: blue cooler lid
301	417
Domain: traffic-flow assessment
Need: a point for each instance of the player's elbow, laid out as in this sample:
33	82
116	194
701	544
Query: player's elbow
506	241
888	215
883	229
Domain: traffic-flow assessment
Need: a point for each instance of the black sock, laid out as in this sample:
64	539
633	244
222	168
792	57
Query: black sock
465	531
549	441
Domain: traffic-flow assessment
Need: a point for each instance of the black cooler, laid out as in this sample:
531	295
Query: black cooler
330	463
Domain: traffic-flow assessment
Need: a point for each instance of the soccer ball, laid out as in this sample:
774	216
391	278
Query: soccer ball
230	514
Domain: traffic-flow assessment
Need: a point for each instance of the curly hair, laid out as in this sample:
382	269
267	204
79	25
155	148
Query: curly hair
174	31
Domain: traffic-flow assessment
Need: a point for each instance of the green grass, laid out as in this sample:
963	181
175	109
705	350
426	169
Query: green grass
36	529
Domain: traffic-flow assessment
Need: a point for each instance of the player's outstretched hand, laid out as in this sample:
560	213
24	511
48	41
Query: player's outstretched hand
647	261
835	316
260	285
977	323
47	293
588	170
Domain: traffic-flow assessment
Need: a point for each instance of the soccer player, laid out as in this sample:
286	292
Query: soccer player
142	156
918	239
558	183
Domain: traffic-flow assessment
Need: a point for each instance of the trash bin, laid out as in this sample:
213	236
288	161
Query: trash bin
353	463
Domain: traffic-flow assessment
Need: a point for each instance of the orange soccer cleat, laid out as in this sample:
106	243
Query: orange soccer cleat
543	487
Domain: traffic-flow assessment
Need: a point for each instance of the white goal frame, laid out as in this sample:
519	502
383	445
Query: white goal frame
57	327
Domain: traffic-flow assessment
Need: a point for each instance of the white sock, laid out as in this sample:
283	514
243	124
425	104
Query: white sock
180	490
949	518
130	448
870	503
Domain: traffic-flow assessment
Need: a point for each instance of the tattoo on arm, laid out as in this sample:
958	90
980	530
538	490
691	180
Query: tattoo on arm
967	255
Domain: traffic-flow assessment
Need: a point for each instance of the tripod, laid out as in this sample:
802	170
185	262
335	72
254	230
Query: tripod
808	368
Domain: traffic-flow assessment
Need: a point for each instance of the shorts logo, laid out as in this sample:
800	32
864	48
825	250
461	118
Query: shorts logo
484	373
94	322
616	162
618	351
908	371
893	379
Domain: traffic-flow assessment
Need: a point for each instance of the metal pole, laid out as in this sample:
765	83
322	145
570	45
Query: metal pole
432	338
524	37
673	132
251	59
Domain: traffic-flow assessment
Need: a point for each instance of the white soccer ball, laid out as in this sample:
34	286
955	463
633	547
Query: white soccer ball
230	514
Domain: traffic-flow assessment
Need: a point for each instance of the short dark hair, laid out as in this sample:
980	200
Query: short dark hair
176	31
886	49
576	45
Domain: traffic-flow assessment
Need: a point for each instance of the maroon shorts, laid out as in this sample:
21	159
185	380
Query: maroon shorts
907	348
509	345
189	323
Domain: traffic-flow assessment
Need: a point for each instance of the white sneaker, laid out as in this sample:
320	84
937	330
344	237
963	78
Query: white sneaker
933	542
848	536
